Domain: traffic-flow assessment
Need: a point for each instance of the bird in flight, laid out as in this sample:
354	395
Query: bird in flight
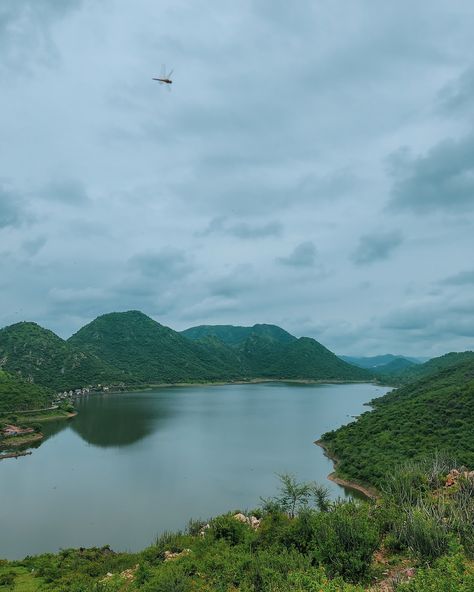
164	78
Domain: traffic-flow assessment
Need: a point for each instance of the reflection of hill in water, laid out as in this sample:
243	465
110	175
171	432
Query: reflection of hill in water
118	420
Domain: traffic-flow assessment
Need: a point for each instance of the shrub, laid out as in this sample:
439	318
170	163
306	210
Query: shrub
231	530
345	540
424	534
449	574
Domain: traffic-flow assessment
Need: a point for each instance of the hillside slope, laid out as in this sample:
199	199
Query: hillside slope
268	351
40	356
433	413
406	373
151	352
236	335
18	395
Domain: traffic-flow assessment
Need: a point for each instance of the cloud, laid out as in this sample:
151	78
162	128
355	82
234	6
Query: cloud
455	98
10	208
167	265
376	247
442	179
433	320
25	36
242	230
463	278
66	191
303	255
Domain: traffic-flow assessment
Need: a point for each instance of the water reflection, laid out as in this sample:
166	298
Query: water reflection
102	422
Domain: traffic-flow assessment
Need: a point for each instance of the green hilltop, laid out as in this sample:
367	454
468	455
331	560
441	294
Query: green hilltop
236	335
40	356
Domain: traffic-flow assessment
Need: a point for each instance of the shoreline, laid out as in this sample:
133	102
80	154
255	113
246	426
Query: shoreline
309	381
14	441
369	492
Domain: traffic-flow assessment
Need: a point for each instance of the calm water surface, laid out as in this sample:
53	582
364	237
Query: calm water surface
132	465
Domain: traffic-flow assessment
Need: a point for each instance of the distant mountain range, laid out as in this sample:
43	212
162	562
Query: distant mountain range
131	349
382	361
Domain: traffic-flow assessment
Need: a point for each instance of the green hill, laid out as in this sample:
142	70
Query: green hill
235	335
18	395
302	358
38	355
267	351
151	352
406	373
433	413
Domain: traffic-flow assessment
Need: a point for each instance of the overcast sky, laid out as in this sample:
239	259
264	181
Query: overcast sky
312	167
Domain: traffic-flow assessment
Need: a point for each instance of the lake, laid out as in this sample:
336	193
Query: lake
133	465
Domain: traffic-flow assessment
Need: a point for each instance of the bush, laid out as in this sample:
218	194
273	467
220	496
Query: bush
8	579
231	530
424	534
345	540
449	574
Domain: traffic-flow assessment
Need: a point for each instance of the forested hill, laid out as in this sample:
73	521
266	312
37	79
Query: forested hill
19	395
400	374
432	413
152	352
235	335
40	356
130	349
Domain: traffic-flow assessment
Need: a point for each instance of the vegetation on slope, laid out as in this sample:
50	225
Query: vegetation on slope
302	358
38	355
19	395
413	539
153	353
132	349
235	335
436	412
157	354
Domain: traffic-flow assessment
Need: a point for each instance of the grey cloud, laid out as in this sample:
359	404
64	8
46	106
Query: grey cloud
376	247
169	264
240	280
303	255
463	278
455	98
443	179
25	31
66	191
34	245
10	208
242	230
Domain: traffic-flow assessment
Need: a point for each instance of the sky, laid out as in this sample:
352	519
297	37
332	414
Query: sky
312	167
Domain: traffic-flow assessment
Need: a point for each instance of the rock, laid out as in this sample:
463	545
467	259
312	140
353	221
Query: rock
170	556
241	518
252	521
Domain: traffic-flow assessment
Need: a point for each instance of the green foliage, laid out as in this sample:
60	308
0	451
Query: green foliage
403	373
233	531
434	413
19	395
40	356
7	580
449	574
345	540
